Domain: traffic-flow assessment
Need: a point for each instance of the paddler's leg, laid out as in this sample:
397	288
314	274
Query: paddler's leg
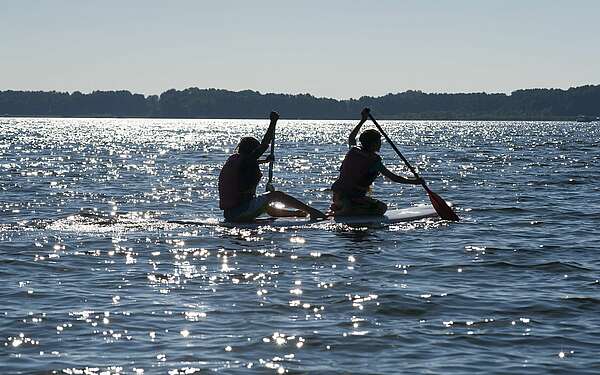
289	201
361	206
280	212
250	210
369	206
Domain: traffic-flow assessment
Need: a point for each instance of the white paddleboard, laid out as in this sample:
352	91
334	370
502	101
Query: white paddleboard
390	217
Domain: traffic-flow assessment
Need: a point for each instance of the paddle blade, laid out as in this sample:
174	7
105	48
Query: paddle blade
441	207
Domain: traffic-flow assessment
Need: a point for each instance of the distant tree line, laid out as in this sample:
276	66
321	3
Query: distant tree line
529	104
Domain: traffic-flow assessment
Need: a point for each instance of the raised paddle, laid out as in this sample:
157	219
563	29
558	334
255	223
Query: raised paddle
269	186
440	206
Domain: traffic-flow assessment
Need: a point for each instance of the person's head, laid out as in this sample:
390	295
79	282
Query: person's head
247	145
370	140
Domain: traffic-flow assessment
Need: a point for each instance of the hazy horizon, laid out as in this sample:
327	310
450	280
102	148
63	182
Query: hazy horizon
333	49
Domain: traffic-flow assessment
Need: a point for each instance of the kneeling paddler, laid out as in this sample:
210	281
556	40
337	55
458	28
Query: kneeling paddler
240	176
360	168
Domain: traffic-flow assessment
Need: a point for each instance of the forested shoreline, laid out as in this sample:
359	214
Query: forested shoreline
526	104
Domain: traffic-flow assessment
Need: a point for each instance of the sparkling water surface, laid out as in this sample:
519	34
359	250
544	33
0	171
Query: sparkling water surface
99	278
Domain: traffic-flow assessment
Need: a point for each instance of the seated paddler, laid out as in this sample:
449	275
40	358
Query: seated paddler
361	166
240	176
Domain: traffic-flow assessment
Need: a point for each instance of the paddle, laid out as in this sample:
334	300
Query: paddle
269	186
440	206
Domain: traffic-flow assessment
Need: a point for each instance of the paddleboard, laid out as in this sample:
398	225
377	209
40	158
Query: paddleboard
390	217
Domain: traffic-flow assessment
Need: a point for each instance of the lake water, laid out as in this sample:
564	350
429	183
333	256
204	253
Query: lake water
98	279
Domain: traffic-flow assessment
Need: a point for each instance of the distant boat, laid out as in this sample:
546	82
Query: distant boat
584	118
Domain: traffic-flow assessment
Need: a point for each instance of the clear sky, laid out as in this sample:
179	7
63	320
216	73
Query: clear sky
332	48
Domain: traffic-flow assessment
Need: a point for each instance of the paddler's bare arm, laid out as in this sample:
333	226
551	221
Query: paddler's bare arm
266	141
364	115
396	178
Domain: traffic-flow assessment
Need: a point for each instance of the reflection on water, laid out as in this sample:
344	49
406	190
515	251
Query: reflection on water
104	273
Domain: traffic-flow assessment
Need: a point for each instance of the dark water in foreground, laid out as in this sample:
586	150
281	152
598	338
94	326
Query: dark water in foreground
97	280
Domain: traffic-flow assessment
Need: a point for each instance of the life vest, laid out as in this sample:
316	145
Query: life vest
357	173
237	181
